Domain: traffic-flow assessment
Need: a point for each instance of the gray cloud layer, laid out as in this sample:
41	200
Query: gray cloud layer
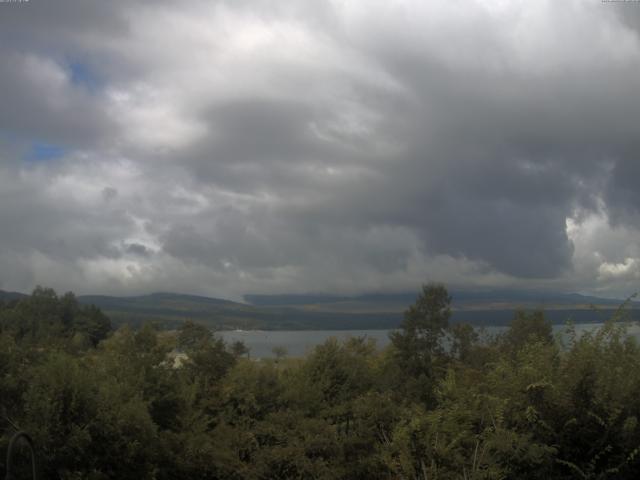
228	147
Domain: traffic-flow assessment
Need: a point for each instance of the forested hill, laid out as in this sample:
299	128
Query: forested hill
170	310
11	295
461	299
328	312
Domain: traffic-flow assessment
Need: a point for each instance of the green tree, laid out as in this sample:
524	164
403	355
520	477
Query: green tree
418	343
279	351
86	422
464	338
525	328
239	349
93	323
191	335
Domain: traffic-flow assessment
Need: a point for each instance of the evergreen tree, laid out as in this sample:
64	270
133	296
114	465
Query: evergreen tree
418	343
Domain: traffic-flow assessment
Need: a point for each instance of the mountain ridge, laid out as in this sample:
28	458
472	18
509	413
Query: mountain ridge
458	297
325	312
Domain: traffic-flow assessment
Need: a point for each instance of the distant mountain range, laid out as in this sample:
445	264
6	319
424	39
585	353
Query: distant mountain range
11	295
461	298
326	312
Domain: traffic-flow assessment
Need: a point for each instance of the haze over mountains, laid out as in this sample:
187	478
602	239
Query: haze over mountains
327	312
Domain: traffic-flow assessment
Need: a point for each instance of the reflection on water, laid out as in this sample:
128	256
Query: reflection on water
300	342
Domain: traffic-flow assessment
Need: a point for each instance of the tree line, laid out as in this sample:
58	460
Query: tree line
103	404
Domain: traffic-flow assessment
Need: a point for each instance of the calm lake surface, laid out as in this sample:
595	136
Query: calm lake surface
300	342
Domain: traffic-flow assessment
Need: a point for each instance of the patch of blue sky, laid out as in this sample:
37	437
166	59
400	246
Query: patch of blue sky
30	150
42	152
82	75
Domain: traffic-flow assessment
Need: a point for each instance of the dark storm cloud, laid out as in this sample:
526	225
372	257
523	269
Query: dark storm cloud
137	249
260	131
623	194
273	146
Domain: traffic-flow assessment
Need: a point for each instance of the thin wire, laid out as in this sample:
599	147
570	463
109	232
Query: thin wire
10	455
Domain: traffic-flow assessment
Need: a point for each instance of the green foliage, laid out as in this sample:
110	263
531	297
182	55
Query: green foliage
424	323
239	349
464	339
87	422
102	404
418	343
527	327
192	335
45	318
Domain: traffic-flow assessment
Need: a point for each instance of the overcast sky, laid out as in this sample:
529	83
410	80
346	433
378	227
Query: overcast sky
343	146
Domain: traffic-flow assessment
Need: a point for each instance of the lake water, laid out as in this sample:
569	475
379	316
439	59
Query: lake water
298	343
